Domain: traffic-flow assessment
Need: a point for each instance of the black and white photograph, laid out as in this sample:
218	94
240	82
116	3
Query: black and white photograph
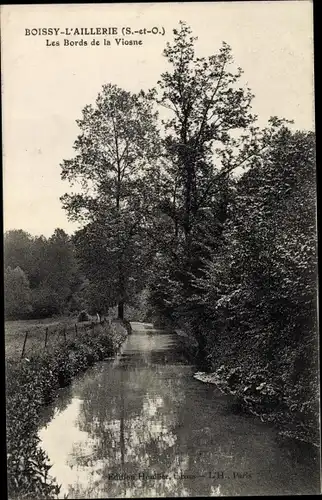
160	250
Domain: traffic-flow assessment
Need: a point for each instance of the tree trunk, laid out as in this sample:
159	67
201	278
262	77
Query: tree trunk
188	186
120	310
189	172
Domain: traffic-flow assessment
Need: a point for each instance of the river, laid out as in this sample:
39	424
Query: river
140	425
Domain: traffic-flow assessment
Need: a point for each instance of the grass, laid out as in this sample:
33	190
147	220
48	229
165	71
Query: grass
15	332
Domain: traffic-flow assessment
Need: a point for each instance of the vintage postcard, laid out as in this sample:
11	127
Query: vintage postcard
160	250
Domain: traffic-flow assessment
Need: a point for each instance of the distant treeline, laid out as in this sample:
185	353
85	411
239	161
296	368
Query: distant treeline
41	277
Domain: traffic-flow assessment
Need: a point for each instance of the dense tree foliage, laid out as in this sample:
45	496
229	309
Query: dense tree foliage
211	132
258	298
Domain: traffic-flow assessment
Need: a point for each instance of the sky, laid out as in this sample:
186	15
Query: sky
46	86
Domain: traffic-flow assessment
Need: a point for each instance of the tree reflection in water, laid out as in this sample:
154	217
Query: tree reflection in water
133	423
144	413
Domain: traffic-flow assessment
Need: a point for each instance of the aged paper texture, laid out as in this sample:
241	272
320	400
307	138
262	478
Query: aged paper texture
160	249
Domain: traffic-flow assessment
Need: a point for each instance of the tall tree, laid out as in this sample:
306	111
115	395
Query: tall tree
206	105
209	133
116	151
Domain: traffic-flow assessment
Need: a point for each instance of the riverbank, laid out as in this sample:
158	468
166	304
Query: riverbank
34	382
259	398
257	395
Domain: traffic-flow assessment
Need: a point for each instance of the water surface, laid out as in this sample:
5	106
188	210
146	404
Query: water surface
141	426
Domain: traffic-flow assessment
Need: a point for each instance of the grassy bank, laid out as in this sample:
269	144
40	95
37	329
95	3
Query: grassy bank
34	382
55	329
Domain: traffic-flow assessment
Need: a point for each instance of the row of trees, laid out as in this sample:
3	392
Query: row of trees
44	277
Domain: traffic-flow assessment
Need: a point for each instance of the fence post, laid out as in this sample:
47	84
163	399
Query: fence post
65	334
24	344
76	329
46	337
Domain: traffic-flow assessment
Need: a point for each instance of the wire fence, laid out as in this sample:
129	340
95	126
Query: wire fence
45	338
